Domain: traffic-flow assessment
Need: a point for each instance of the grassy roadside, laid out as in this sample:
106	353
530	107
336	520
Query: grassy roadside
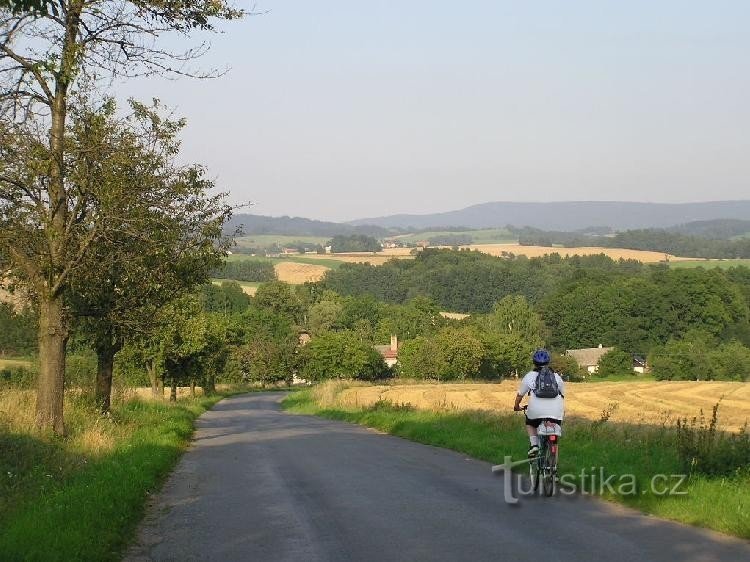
722	504
82	496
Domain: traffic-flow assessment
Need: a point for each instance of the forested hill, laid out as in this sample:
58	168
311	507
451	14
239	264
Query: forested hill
572	215
298	226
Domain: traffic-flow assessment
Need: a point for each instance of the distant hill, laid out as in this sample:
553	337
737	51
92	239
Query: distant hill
718	229
297	226
572	215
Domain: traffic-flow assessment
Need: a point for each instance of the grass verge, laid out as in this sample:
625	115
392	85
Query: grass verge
595	449
82	496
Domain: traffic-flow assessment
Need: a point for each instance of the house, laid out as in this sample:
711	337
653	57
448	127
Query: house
639	364
588	358
389	352
289	251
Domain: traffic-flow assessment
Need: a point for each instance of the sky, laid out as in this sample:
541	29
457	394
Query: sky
340	110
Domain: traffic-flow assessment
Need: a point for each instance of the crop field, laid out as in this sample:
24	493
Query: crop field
653	403
270	240
484	236
299	273
538	251
721	264
5	363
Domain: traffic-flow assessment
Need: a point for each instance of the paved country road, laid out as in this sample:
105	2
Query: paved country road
261	485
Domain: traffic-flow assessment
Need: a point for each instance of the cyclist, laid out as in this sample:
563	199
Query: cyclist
550	407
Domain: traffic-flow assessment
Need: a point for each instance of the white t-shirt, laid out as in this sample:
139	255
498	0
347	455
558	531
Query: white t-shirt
542	407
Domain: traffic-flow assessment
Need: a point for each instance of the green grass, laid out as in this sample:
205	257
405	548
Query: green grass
722	504
328	262
61	500
269	240
484	236
722	264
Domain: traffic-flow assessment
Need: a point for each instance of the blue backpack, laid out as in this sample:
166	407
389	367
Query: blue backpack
546	384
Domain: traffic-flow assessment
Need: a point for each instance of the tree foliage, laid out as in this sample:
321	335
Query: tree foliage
615	362
341	355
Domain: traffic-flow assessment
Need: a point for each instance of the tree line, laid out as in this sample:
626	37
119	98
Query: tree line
100	223
675	242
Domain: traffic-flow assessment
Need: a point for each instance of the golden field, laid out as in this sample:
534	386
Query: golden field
538	251
646	402
299	273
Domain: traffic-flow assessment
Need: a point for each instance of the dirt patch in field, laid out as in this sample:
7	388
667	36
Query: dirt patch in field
647	402
298	273
538	251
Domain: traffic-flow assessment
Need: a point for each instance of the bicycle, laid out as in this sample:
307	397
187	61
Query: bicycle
544	466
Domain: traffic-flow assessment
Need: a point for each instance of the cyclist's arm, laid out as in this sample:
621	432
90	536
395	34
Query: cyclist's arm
517	405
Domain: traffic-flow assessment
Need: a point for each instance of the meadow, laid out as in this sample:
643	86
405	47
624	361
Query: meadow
15	362
708	264
80	497
483	236
271	240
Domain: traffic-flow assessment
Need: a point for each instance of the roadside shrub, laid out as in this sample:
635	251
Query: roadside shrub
18	376
704	449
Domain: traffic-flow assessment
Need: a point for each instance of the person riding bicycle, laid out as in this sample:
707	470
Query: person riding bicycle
546	391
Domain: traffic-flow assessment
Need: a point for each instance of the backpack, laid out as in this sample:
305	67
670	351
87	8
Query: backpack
546	384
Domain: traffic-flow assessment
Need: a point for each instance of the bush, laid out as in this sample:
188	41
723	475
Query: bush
18	376
341	355
615	362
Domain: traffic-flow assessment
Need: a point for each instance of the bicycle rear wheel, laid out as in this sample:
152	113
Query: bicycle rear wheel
535	474
548	470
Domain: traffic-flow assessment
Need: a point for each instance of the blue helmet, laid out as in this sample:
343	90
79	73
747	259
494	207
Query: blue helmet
540	357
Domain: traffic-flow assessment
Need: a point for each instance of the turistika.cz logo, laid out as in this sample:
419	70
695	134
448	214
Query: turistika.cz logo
589	481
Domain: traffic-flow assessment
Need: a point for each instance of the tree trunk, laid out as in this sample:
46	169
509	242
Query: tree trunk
105	358
160	387
151	370
209	385
173	393
192	389
53	338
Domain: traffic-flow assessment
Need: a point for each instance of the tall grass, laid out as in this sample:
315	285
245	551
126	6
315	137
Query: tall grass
641	451
80	497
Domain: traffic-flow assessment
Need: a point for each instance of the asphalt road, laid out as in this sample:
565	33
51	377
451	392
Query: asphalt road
262	485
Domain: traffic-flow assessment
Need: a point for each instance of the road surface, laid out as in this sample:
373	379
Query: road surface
259	484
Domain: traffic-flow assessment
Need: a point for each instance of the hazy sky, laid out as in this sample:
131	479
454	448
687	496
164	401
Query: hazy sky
348	109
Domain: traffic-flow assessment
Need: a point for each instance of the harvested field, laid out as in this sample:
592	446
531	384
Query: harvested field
637	402
538	251
15	363
374	258
298	273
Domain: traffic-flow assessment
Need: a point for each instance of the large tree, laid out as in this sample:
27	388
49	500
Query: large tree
165	240
47	223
